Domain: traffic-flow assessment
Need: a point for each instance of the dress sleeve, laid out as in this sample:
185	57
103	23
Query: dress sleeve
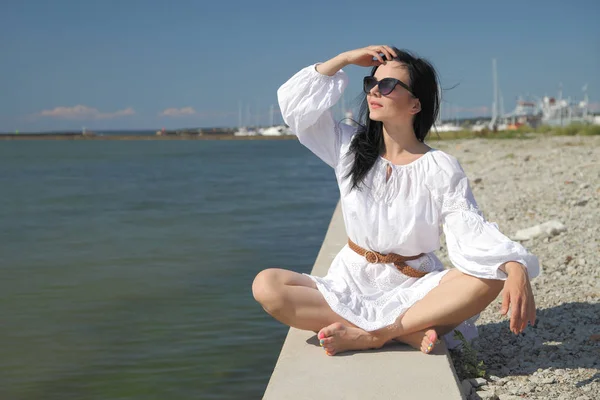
476	246
305	100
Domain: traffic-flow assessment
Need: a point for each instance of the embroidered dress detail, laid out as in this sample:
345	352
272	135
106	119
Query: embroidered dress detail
460	204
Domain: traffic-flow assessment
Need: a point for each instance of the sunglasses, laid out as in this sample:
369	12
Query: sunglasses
386	85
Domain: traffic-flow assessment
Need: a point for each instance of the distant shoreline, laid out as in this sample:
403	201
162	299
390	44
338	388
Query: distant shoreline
79	136
521	133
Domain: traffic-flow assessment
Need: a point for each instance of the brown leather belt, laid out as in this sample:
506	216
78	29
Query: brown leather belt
399	261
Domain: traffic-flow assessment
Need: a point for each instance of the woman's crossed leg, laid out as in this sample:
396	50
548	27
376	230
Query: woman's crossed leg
294	300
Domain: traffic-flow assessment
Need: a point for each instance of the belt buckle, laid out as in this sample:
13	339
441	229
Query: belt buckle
371	257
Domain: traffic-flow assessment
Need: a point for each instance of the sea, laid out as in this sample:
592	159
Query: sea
126	266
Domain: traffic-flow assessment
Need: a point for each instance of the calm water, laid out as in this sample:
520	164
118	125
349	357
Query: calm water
126	267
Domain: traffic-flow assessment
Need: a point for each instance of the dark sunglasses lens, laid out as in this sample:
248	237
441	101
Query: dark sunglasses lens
369	83
386	86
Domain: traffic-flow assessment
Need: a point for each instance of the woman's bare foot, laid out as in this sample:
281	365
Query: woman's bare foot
422	340
337	338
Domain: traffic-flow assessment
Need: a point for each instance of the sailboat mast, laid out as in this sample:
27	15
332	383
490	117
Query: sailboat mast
495	102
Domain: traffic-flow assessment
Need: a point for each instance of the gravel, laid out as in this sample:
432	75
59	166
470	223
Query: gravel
522	184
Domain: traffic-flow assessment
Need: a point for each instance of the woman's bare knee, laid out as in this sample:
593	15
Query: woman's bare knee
266	289
269	287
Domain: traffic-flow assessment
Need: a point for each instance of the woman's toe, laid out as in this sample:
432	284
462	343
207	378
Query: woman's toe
424	346
429	341
329	330
432	335
324	333
429	348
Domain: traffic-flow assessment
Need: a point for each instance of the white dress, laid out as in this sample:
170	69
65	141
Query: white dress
404	215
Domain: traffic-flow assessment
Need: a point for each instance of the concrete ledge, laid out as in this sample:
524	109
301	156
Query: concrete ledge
303	371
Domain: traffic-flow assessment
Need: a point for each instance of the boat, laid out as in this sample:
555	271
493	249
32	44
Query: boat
280	130
243	131
535	111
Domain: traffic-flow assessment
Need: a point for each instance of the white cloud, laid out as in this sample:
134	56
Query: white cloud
84	113
177	112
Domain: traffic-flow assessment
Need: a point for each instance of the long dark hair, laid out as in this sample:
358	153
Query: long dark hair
368	143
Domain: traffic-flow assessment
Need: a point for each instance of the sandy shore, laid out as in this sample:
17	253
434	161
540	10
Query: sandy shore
520	184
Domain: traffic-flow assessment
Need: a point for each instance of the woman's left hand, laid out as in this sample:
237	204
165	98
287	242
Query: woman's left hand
517	295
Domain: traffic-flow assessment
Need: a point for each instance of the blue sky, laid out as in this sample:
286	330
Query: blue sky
146	64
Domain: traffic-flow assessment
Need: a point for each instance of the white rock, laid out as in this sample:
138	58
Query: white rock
476	382
529	388
548	380
506	396
547	229
487	395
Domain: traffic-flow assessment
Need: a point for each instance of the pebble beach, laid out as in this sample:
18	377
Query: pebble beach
543	191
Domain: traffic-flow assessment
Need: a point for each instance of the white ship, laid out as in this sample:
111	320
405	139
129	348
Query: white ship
536	111
279	130
243	131
561	112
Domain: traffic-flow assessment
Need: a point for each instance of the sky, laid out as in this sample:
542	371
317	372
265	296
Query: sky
148	64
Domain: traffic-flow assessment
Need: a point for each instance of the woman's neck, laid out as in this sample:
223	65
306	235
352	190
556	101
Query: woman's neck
401	141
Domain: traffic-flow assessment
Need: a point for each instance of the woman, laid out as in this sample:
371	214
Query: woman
396	195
